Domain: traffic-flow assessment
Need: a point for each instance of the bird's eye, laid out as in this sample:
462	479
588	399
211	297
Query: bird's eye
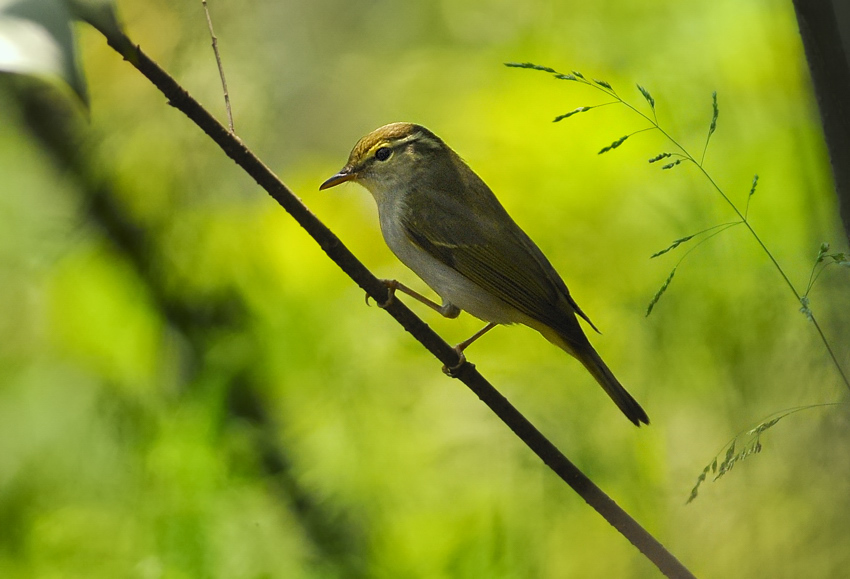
383	153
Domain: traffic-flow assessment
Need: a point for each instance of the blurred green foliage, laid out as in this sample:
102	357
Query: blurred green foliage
189	388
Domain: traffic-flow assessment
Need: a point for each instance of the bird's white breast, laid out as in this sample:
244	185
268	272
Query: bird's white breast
451	286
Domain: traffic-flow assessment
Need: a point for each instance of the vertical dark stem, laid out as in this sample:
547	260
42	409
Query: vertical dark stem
830	71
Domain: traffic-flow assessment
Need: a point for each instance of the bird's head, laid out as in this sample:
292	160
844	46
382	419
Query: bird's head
390	158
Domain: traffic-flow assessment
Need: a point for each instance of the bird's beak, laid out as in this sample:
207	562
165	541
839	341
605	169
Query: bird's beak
345	174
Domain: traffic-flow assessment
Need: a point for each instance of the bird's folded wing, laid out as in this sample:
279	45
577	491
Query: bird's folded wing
501	260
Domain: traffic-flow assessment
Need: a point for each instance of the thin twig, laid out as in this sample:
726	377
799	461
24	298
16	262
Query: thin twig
342	256
220	68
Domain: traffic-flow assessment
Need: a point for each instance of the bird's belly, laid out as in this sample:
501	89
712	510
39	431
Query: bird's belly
451	286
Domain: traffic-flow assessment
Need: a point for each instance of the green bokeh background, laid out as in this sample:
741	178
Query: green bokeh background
278	427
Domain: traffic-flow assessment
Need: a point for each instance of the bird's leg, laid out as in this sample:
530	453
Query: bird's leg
447	309
463	346
466	343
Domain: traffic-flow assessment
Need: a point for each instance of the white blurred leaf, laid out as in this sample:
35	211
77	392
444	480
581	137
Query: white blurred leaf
36	39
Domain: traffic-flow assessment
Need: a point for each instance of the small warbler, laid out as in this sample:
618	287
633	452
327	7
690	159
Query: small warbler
441	220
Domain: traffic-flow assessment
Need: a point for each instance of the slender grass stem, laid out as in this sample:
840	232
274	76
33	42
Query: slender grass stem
813	278
752	446
605	88
721	229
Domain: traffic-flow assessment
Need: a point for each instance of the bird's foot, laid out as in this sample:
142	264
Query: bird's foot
392	285
454	371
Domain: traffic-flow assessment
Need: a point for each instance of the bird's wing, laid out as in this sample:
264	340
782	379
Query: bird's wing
482	243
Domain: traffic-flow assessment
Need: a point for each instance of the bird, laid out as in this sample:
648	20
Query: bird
443	222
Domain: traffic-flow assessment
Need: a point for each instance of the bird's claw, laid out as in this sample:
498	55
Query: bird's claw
454	371
391	286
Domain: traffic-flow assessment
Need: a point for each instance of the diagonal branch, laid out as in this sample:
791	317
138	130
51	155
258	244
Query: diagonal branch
342	256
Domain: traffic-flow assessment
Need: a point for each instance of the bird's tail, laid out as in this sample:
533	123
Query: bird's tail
599	370
577	345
